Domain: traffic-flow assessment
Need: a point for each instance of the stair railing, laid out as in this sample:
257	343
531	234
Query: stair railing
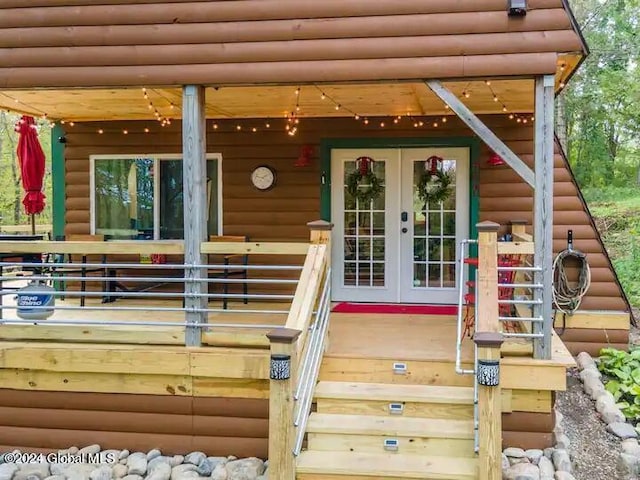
296	355
464	254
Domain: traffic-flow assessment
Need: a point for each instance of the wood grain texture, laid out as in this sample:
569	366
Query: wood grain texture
54	420
282	213
220	42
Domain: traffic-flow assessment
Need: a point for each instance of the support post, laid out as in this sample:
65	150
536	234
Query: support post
543	212
282	374
518	229
194	154
488	340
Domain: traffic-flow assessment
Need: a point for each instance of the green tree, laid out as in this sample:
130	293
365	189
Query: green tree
601	102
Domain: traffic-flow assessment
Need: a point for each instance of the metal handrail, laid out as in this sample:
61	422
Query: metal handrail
311	365
146	266
461	282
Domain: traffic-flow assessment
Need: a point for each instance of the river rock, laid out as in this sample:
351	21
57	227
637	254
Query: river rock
7	470
593	387
74	450
605	399
195	458
153	454
137	464
101	473
55	477
186	470
176	460
612	414
548	452
628	467
584	360
562	441
244	469
219	472
514	452
631	447
546	468
77	471
622	430
561	460
205	468
215	461
90	450
162	471
133	477
534	455
563	476
590	373
153	463
124	454
119	470
39	470
505	462
522	471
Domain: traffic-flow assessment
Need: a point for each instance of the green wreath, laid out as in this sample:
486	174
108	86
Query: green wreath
434	186
372	190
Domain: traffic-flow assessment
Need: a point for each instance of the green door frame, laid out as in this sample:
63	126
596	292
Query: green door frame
326	145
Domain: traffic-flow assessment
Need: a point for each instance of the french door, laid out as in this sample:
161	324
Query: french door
397	247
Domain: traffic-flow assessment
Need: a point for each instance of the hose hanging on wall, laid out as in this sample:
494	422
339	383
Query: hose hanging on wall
567	296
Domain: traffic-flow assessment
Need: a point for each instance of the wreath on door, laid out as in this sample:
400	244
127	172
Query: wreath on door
434	184
362	183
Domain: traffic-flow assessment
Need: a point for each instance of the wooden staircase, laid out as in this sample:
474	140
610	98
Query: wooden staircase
389	431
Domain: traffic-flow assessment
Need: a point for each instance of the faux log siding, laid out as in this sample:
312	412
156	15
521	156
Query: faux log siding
80	44
55	420
282	213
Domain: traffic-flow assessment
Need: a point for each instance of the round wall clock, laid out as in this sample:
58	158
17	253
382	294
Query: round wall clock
263	177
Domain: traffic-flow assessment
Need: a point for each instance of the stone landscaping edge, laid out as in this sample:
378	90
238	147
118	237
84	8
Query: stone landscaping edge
92	463
549	464
628	465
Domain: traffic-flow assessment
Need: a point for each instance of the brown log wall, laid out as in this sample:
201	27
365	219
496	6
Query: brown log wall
282	213
77	43
55	420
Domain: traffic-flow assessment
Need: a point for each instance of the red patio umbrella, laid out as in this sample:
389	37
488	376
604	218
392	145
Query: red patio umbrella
32	164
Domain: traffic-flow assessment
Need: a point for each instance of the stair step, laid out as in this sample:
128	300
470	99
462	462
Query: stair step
314	465
391	426
395	392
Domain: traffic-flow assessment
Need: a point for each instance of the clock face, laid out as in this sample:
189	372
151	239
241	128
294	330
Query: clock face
263	178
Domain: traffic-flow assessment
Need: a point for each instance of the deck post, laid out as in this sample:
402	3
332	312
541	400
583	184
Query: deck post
543	212
488	340
283	375
194	153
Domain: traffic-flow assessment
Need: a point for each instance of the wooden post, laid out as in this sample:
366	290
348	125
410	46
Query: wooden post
488	341
194	154
487	287
281	403
543	212
518	228
489	404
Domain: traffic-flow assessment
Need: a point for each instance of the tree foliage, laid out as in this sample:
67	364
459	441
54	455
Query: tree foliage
601	102
11	193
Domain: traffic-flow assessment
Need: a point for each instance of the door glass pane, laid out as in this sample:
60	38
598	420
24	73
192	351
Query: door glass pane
365	233
434	233
124	197
172	200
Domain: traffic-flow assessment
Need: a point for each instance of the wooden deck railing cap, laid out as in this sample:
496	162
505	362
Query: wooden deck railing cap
488	339
283	335
320	225
519	222
487	226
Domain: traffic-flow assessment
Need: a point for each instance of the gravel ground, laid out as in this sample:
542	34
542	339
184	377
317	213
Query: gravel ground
593	449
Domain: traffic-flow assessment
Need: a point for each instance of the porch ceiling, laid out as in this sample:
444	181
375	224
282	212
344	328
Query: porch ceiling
381	99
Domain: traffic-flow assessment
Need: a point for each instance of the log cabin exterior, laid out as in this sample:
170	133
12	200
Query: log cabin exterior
460	80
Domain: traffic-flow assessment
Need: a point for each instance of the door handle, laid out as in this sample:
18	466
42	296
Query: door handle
405	229
404	216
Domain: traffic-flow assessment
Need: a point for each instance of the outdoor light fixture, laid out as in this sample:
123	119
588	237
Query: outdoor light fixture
495	160
304	160
517	8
